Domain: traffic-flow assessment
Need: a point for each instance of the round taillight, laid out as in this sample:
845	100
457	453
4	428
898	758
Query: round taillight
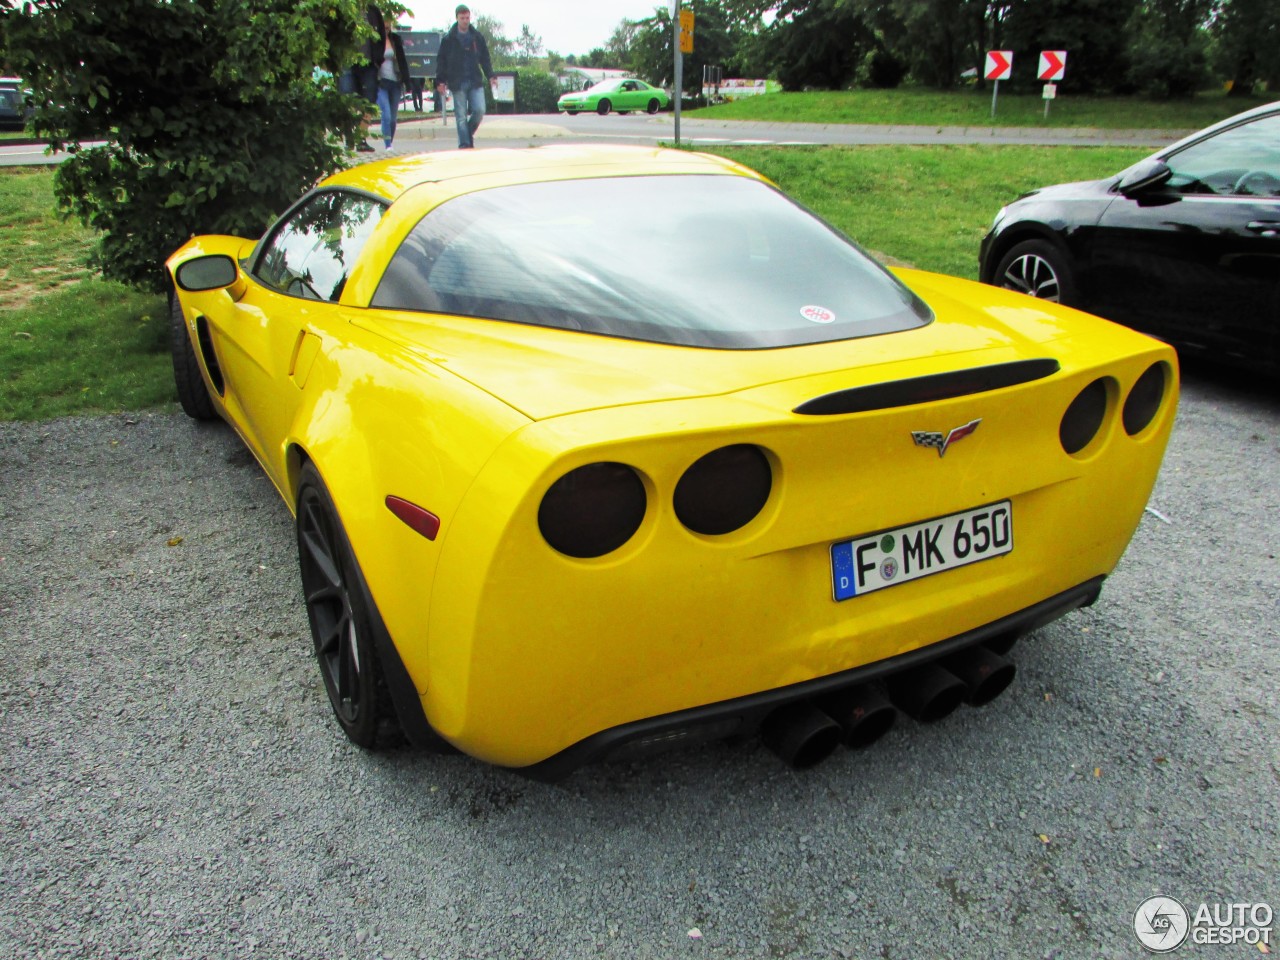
724	490
1083	418
1144	399
592	510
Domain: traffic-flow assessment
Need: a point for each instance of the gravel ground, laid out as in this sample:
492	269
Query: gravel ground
173	784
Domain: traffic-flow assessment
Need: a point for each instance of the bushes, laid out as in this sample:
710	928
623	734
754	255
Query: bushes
213	118
536	92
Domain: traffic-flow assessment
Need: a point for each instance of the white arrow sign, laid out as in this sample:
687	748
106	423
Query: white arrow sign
1053	64
999	65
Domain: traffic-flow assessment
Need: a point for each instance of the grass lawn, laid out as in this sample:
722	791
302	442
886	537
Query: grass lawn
69	341
973	109
929	206
72	343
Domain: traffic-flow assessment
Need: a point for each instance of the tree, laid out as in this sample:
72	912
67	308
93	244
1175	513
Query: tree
653	49
1246	36
502	49
1167	47
528	45
620	41
818	43
213	117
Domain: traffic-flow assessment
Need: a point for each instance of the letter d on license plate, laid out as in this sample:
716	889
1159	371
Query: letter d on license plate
891	557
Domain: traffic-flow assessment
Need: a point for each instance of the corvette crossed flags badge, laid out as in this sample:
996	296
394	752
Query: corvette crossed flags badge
940	442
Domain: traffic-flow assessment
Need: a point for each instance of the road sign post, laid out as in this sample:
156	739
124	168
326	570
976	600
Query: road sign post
999	67
1053	65
679	62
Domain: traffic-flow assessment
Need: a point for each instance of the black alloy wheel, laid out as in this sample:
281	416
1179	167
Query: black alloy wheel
1036	268
341	628
653	105
604	108
192	392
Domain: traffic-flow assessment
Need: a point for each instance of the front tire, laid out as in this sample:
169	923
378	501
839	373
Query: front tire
341	625
604	107
1038	269
193	394
572	113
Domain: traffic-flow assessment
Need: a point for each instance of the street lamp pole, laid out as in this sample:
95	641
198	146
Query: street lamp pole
675	43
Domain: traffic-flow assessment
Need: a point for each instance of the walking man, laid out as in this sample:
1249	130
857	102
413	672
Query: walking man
463	66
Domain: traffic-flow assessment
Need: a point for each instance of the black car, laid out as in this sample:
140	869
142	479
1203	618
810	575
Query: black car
1184	245
13	103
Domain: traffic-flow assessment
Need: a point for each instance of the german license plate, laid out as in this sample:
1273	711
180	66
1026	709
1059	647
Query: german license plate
891	557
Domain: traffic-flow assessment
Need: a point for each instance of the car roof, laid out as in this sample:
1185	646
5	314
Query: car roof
465	170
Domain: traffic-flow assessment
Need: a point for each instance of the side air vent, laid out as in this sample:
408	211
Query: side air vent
210	356
938	386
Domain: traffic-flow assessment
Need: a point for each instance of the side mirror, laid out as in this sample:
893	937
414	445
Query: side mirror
1145	176
213	271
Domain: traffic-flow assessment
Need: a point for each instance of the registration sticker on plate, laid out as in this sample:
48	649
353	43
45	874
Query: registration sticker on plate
908	553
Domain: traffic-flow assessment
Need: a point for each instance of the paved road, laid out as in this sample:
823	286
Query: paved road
172	784
533	129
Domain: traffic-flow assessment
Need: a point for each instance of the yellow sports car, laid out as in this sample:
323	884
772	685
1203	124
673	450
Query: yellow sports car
557	501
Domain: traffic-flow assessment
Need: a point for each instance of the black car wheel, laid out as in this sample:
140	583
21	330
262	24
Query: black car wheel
654	106
192	392
337	607
1038	269
604	107
572	113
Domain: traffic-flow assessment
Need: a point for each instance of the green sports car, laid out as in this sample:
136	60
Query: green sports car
621	95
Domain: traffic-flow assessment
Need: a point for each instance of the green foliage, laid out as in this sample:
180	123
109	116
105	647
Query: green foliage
536	91
715	41
821	47
1167	53
1246	44
502	49
213	115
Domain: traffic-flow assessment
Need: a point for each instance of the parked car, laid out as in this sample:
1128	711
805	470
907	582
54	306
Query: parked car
1184	244
596	450
621	95
14	109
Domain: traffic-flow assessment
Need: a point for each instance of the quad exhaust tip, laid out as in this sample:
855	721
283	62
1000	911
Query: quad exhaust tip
805	733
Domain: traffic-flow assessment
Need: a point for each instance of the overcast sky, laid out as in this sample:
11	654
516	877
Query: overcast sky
566	26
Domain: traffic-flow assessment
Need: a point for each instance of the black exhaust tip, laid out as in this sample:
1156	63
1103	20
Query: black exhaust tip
926	693
864	714
801	734
985	673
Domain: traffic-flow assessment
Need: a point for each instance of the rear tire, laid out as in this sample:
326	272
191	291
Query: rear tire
193	394
1038	269
341	624
604	108
654	106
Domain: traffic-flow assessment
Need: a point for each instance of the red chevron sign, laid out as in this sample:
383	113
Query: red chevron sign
999	64
1053	64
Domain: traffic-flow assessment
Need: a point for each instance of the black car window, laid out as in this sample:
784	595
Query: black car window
311	253
713	261
1243	160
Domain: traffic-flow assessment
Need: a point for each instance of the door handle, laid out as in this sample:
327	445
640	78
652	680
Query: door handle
1268	228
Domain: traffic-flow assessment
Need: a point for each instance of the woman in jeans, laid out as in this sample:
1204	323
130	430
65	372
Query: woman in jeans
393	74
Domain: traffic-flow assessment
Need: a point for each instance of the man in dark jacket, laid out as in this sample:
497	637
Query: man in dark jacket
463	66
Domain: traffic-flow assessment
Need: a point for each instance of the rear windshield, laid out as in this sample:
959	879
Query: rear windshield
704	261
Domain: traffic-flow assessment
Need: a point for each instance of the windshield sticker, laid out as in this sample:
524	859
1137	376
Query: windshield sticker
817	314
